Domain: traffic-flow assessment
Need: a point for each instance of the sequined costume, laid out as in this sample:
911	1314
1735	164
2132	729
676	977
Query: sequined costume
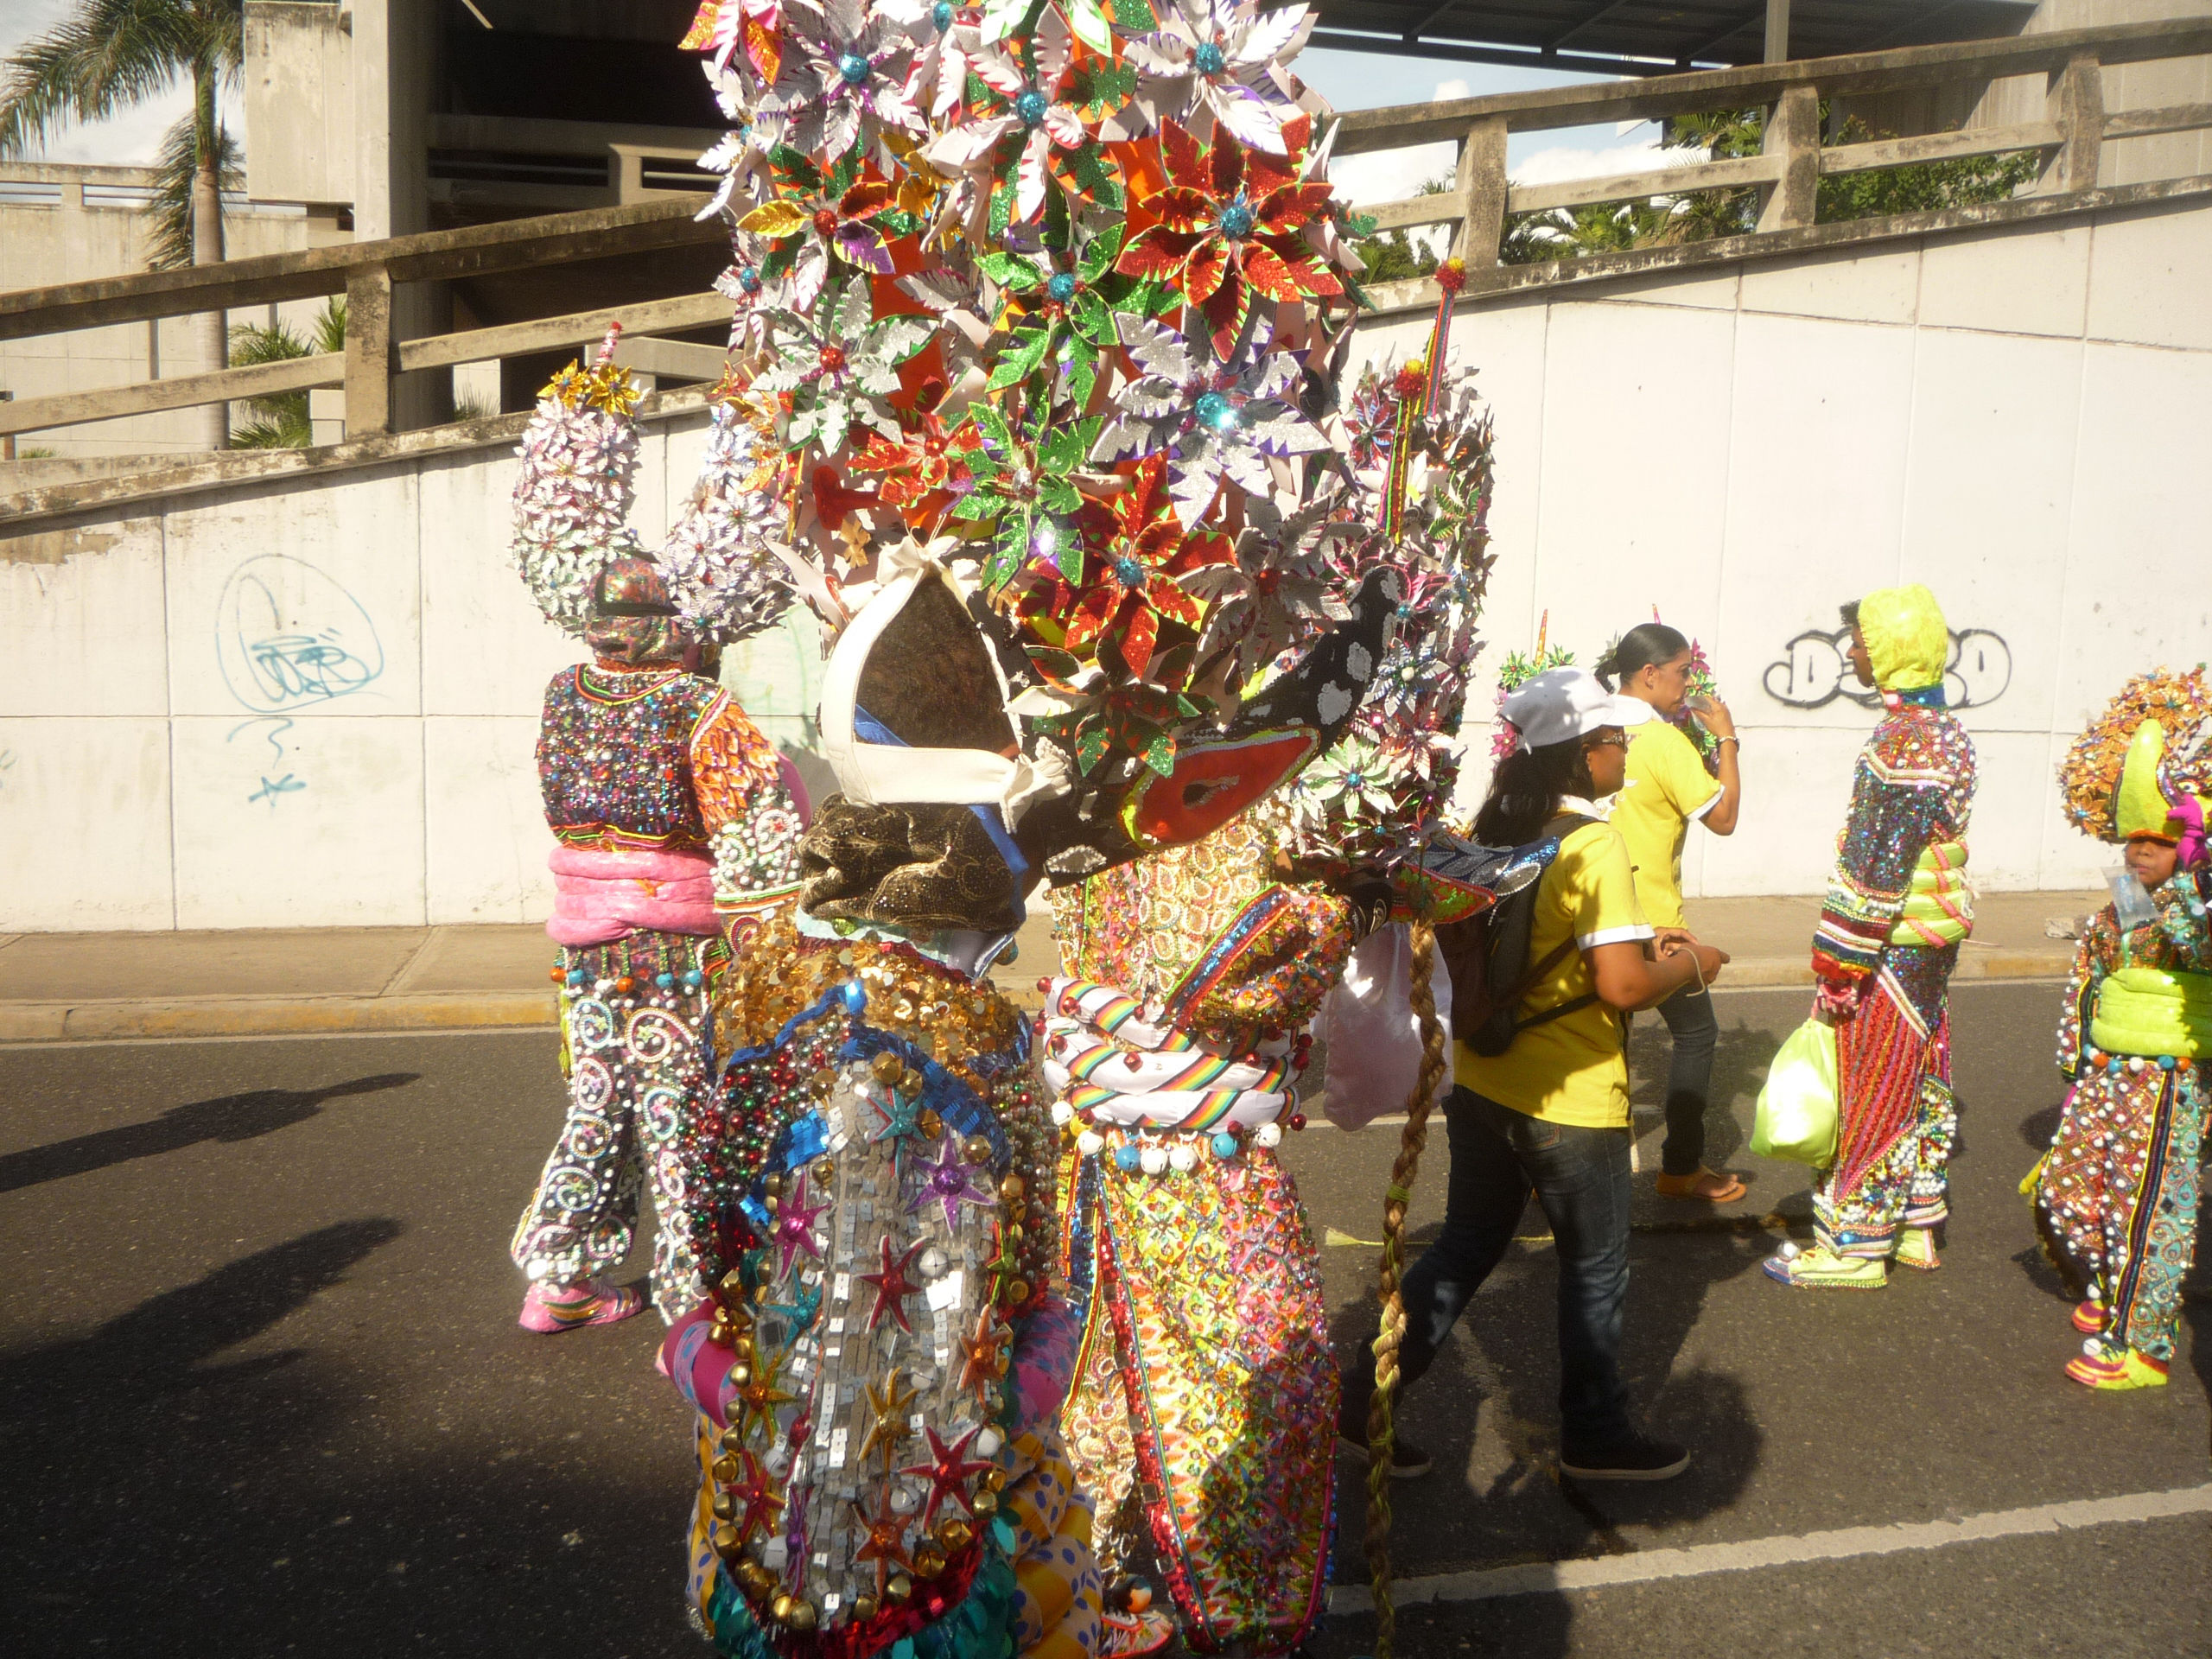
2116	1197
1885	967
678	832
1204	1406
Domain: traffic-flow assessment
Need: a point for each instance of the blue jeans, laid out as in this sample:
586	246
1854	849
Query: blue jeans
1690	1020
1580	1176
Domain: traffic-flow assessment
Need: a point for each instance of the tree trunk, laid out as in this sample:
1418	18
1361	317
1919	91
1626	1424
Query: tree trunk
207	247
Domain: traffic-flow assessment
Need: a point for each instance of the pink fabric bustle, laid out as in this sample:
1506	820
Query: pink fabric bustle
599	897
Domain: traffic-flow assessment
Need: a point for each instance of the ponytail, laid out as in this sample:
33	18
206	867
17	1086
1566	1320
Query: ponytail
1644	646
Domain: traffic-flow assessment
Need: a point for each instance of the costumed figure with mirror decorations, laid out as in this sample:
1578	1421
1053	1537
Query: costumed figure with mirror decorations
1039	306
676	826
1887	936
1203	1419
2116	1195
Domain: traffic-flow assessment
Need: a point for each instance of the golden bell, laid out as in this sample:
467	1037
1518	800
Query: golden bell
726	1468
900	1589
976	1150
724	1506
726	1539
732	1438
773	1187
863	1609
739	1375
756	1578
954	1533
930	1123
802	1616
1012	1233
994	1480
772	1204
825	1172
1017	1290
733	1282
1011	1186
985	1503
928	1560
780	1609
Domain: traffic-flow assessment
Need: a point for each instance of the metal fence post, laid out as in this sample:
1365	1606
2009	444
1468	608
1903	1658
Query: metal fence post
368	351
2076	101
1481	184
1793	132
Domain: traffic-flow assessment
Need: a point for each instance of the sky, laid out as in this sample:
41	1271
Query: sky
1350	81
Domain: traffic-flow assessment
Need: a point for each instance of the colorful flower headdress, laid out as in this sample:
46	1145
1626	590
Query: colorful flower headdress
1518	670
572	498
1051	293
2110	772
1418	502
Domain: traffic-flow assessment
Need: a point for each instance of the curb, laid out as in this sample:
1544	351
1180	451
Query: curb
308	1016
272	1016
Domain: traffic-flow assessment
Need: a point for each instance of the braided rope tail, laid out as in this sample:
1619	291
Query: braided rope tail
1381	1432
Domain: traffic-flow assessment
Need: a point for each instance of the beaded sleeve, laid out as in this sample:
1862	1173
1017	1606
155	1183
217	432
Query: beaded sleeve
2099	951
1914	779
753	826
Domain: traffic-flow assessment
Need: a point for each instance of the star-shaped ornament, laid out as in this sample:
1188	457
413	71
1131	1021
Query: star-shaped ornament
892	1405
892	1286
950	1181
982	1357
949	1469
754	1501
887	1542
794	1229
900	1117
757	1396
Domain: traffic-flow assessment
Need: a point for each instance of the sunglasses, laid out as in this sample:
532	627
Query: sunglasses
1617	741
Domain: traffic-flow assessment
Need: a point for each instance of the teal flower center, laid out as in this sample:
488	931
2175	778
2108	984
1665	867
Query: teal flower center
1237	218
1128	572
854	67
1214	411
941	15
1030	107
1208	59
1061	287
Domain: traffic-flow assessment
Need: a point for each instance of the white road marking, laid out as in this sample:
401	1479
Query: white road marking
1844	1543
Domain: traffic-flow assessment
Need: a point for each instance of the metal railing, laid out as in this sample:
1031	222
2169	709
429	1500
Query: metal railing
1786	174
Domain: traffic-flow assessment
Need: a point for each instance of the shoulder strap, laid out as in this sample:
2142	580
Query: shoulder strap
1559	828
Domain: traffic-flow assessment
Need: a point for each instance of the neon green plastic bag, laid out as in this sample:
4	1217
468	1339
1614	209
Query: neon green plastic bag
1796	1115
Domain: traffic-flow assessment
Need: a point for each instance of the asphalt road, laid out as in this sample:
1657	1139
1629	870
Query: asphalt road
262	1392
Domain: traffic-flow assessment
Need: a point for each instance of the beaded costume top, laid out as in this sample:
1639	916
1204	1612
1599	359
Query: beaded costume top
2179	940
1207	939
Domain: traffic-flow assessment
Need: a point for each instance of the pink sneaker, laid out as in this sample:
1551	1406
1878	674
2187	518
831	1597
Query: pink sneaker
547	1310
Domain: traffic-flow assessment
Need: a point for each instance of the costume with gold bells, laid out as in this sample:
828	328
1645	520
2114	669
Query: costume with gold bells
2116	1195
1035	307
1887	939
677	827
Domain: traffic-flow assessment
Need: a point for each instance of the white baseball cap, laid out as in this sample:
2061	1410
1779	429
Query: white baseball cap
1561	704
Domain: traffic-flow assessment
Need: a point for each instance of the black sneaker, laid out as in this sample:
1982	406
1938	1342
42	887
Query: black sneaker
1407	1460
1635	1458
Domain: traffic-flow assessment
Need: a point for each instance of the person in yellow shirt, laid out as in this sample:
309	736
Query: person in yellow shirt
1550	1114
1667	788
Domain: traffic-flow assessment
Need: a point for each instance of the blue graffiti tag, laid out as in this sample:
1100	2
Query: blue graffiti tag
288	637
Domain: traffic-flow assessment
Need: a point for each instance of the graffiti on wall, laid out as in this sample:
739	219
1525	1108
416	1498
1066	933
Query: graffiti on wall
289	637
1816	670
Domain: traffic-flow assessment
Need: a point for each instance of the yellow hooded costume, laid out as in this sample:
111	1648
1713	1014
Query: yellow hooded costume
1907	640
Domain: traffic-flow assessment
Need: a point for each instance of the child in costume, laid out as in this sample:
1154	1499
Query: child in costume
1882	951
2116	1195
677	824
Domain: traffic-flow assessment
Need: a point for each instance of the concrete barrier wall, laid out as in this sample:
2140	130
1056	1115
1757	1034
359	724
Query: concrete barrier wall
304	702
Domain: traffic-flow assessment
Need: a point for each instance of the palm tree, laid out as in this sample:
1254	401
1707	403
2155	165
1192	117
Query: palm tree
110	55
280	420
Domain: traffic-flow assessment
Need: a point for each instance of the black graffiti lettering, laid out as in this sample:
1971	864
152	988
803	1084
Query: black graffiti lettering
1816	670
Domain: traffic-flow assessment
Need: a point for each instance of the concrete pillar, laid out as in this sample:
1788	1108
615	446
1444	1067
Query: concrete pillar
395	71
1777	31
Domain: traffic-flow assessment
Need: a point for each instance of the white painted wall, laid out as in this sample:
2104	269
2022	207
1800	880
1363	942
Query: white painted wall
2015	418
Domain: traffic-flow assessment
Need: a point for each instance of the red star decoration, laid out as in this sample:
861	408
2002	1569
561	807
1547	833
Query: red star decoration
979	1367
892	1286
947	1471
756	1502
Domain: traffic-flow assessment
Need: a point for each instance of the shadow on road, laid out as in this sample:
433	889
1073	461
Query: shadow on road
229	1117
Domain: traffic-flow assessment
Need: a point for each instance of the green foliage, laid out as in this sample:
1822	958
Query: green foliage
1702	215
281	422
175	171
1394	257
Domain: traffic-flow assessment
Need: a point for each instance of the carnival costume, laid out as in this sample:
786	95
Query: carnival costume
1887	939
1038	306
2116	1195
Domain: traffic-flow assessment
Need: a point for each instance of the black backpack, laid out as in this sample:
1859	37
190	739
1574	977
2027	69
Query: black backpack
1487	954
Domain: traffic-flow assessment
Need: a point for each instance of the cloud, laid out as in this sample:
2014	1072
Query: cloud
1564	161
